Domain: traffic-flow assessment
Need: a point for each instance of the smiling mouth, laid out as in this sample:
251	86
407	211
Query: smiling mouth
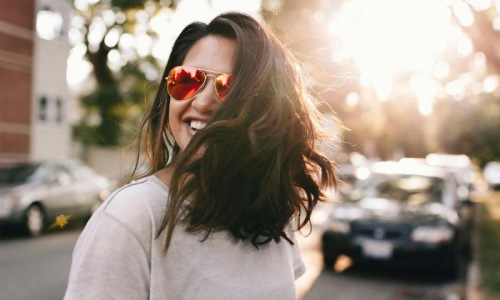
197	125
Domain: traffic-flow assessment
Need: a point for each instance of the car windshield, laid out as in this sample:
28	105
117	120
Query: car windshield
413	189
15	174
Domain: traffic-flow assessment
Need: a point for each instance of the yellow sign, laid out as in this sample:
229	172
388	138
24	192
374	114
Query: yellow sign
61	221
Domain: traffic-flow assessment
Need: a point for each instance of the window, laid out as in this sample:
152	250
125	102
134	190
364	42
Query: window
59	110
42	109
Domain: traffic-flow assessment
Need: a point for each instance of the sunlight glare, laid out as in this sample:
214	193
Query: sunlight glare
463	13
464	46
97	30
491	83
479	63
381	83
48	24
425	90
111	39
109	17
352	99
77	68
248	6
115	61
442	70
480	4
387	37
455	89
75	36
126	41
81	4
143	44
169	23
496	23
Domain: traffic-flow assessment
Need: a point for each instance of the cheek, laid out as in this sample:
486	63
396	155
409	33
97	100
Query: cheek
173	117
175	112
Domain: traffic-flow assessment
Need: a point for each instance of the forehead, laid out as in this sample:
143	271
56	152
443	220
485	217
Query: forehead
212	52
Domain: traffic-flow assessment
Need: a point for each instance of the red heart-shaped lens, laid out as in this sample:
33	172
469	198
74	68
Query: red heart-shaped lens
183	82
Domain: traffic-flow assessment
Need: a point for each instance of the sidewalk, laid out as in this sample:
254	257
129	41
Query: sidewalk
313	260
491	201
473	273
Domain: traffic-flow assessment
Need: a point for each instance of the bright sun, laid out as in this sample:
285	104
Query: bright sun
389	36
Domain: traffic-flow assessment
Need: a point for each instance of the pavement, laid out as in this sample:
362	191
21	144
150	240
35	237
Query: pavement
473	279
312	259
473	273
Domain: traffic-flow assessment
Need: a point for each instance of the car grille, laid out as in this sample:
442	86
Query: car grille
381	231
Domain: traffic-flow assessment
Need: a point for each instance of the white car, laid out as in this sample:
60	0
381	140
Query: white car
33	194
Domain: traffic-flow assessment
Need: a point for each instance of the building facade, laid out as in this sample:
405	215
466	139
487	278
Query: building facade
34	95
17	21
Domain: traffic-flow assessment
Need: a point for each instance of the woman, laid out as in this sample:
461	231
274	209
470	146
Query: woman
230	140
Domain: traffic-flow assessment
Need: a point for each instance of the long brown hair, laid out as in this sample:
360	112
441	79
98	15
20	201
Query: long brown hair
259	165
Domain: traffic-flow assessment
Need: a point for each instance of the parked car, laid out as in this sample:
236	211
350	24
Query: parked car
32	194
405	214
492	174
462	169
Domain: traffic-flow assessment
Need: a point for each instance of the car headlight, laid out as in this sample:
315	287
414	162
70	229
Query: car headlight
337	226
432	235
7	204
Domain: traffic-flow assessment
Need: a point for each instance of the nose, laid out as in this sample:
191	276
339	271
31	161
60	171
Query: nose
206	100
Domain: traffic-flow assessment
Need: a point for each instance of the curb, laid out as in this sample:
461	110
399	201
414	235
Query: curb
472	282
473	269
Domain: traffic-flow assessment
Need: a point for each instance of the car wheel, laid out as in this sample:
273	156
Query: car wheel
34	220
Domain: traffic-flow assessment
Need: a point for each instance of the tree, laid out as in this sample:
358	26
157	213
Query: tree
118	95
385	127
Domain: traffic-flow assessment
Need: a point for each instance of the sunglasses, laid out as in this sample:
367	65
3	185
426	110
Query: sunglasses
183	82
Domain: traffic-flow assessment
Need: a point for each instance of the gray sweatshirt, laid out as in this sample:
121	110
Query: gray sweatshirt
118	257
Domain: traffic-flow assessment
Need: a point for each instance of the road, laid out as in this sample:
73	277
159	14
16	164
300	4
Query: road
351	282
38	269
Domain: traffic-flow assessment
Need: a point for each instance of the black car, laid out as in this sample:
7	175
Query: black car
407	215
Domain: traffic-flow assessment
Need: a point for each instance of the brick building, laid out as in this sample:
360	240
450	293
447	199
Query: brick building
33	91
17	23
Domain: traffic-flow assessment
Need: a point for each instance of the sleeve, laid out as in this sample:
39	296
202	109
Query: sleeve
299	267
108	262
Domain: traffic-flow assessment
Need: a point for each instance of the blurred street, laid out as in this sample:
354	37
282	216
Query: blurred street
404	82
357	282
38	269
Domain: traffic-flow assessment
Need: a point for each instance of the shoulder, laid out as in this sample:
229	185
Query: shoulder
139	205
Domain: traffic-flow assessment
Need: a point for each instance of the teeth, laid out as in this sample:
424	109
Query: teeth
197	125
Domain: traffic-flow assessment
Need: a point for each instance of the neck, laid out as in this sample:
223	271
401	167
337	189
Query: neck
165	174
